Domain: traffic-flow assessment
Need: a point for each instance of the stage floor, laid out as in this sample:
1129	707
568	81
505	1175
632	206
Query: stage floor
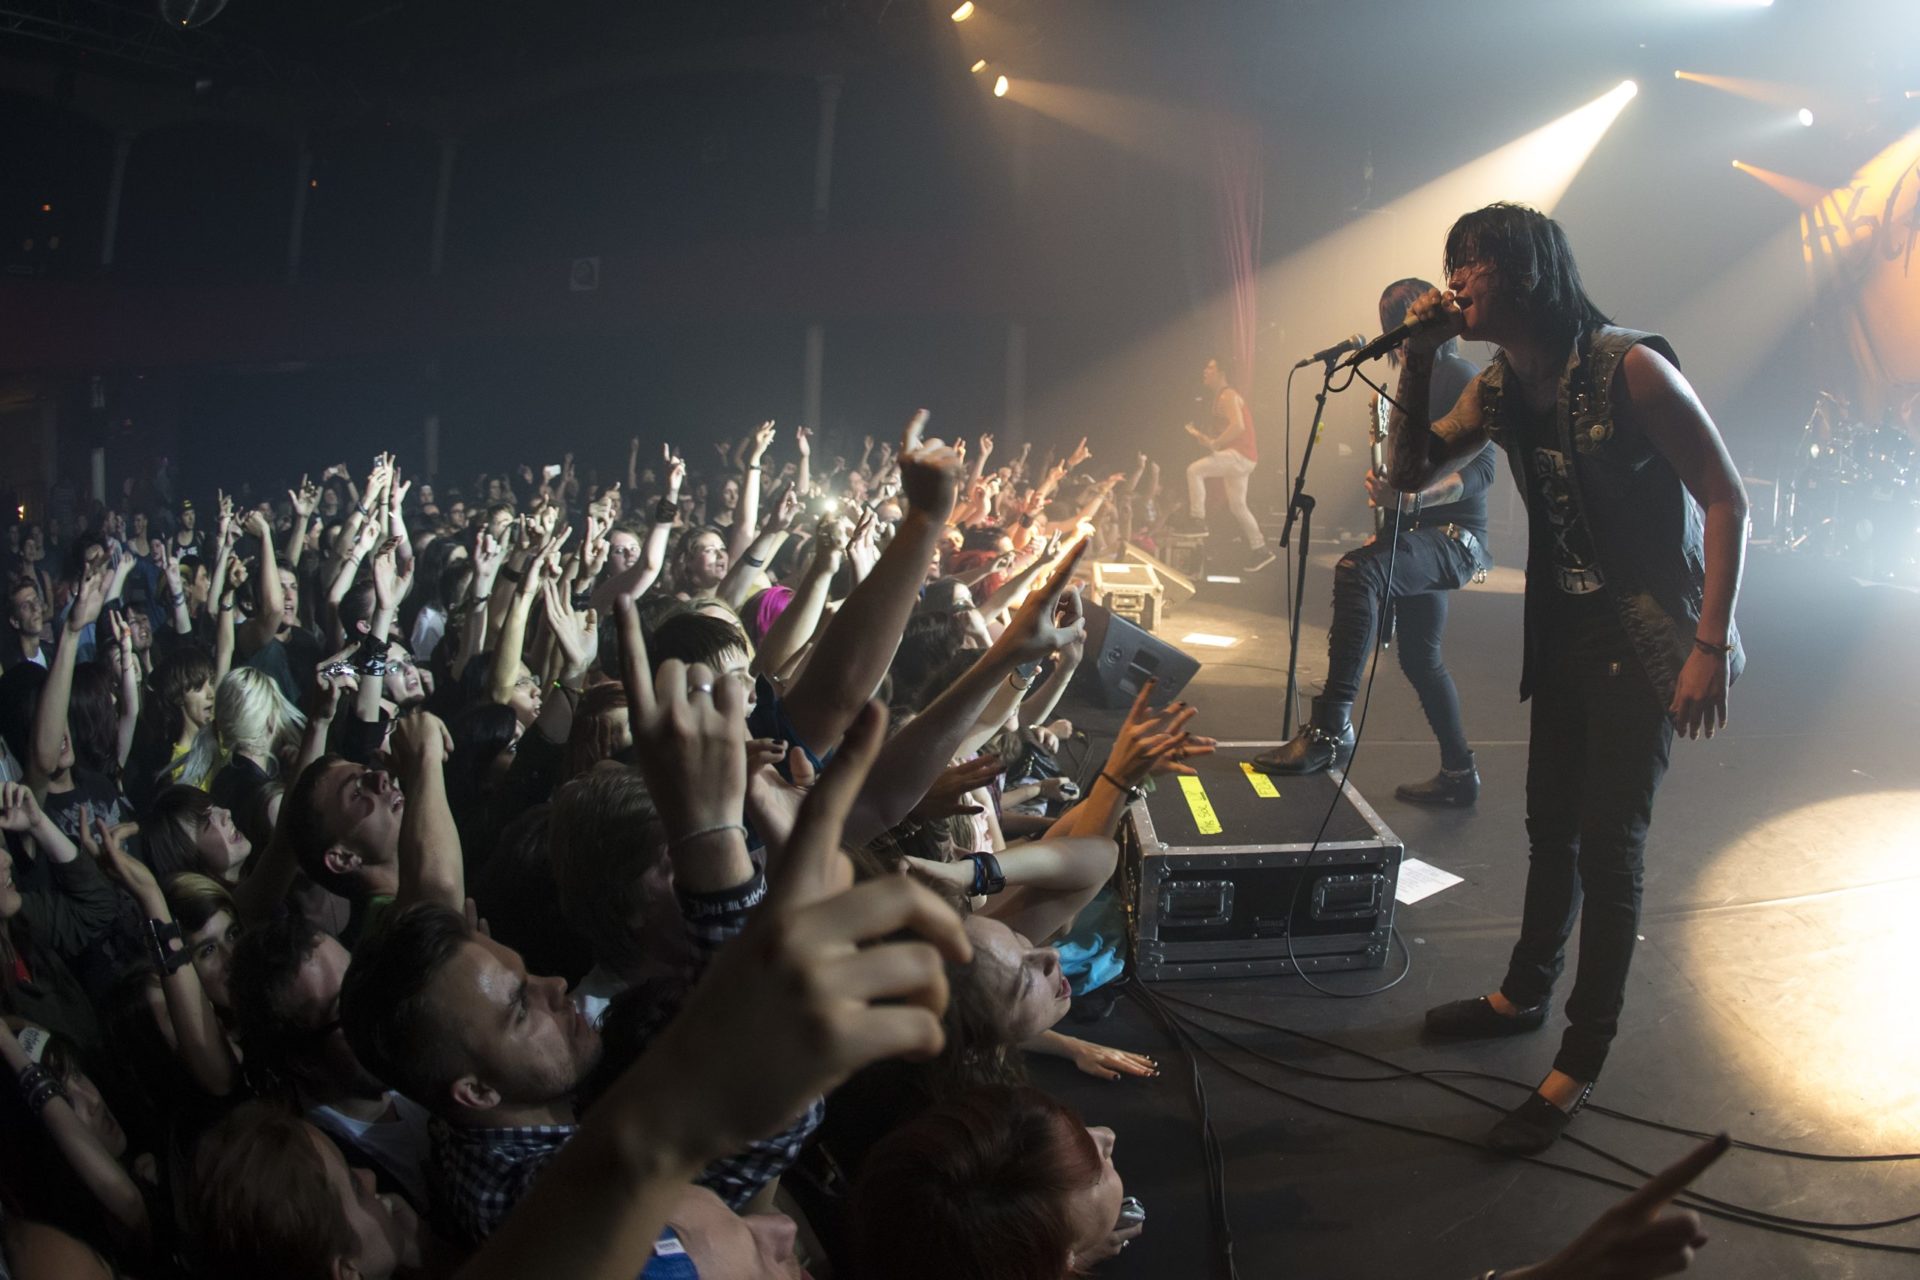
1773	994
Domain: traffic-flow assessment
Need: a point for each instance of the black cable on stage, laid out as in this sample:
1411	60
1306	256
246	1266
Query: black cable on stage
1398	1072
1209	1140
1728	1210
1692	1200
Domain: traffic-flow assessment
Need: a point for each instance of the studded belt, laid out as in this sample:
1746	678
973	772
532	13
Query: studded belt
1468	539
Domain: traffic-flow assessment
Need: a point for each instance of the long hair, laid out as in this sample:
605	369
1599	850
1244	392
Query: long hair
254	718
977	1186
1532	262
170	830
177	674
93	718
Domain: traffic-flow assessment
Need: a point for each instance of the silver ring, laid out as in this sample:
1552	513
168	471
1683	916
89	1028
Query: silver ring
701	688
1125	1243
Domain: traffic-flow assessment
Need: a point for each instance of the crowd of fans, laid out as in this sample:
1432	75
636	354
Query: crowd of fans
503	882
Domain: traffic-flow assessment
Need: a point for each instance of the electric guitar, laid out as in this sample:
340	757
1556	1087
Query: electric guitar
1377	453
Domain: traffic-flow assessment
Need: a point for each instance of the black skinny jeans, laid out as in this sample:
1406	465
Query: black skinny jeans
1599	745
1426	567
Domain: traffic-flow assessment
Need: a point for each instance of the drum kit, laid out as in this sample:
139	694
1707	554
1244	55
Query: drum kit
1851	490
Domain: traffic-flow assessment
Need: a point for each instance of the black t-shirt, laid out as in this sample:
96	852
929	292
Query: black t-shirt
234	787
120	946
1451	376
1576	612
290	659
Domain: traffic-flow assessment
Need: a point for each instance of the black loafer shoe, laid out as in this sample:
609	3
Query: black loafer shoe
1478	1018
1447	789
1534	1125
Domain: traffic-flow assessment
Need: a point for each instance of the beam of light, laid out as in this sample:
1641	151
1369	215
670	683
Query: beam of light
1838	1066
1000	87
1802	193
1772	92
1160	131
964	12
979	66
1733	324
1805	117
1330	286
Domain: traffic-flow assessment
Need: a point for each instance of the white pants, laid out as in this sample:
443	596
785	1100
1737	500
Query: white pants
1233	467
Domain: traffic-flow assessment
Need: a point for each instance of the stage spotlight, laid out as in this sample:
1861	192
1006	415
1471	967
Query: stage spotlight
964	12
1627	88
1769	91
1801	192
1000	87
1806	117
979	66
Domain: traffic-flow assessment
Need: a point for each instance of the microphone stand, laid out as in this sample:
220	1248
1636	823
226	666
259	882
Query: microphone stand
1300	507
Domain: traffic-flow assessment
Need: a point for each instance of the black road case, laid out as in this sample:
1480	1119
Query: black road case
1219	882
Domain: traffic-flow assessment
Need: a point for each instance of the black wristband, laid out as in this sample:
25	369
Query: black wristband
158	934
665	512
988	879
1133	794
511	575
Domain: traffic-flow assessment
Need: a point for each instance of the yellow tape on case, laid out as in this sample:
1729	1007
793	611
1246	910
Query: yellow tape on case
1202	807
1262	784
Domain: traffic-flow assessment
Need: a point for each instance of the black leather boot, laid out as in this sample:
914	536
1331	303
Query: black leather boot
1449	788
1324	742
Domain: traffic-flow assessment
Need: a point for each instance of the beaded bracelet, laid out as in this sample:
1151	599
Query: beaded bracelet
38	1087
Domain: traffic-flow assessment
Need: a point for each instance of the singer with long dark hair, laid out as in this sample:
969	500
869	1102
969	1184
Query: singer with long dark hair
1629	633
1439	545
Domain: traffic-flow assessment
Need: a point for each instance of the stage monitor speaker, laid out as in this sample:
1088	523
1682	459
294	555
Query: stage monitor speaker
1180	587
1121	657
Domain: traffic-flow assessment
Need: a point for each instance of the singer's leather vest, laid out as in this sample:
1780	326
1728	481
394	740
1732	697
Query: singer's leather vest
1647	530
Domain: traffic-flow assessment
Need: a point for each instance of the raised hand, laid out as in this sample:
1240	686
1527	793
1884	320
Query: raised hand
107	846
785	508
90	599
489	553
947	797
1051	616
930	472
386	575
1079	455
575	631
1155	741
863	547
19	811
762	440
305	499
690	731
332	678
120	648
814	989
986	446
803	441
